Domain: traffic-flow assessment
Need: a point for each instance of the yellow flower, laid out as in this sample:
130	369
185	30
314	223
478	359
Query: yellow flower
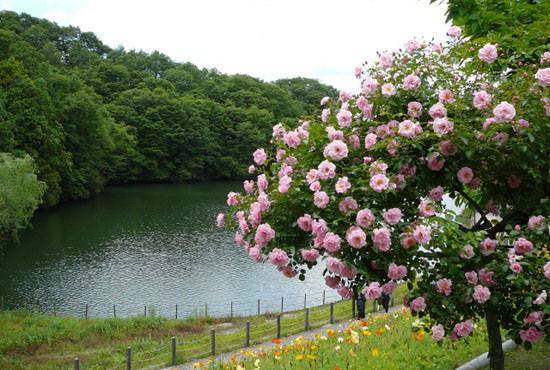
311	357
367	333
239	367
375	353
299	357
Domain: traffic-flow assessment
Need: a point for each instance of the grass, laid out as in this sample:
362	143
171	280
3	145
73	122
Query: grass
538	358
382	342
38	341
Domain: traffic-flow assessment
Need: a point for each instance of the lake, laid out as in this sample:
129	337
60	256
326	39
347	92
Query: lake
145	245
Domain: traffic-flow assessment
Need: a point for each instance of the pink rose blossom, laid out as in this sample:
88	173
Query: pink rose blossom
342	185
249	186
347	205
356	237
446	97
344	118
447	148
264	234
372	291
334	265
438	110
535	222
481	294
319	227
541	298
488	53
531	335
523	246
310	255
255	254
414	109
279	131
454	31
471	276
436	194
411	45
315	186
354	141
262	182
426	208
251	169
482	100
379	183
244	226
438	48
422	235
392	216
418	304
386	60
312	176
344	96
219	220
443	126
284	184
388	90
435	163
381	239
332	281
464	328
467	252
504	112
516	267
486	277
369	86
438	332
278	257
408	242
325	100
331	243
543	75
344	292
233	199
320	199
389	287
370	140
327	170
407	128
444	286
260	156
336	150
465	175
280	154
264	202
287	271
365	218
305	223
411	82
325	115
475	183
292	139
347	273
534	317
397	272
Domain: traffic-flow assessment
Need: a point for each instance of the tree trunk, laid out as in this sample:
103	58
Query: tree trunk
496	354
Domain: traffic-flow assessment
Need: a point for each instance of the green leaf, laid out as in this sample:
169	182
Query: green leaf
528	301
531	137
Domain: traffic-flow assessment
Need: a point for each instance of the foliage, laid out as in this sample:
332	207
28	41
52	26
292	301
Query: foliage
518	26
20	194
361	187
90	115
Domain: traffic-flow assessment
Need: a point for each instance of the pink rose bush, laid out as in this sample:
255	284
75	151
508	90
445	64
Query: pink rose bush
451	184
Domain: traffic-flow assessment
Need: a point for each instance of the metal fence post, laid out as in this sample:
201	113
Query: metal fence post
307	320
247	334
145	309
332	312
173	351
278	326
114	311
323	297
128	358
213	340
76	363
176	312
86	312
282	304
258	307
305	300
231	310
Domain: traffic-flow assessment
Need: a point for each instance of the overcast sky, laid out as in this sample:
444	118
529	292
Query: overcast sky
269	39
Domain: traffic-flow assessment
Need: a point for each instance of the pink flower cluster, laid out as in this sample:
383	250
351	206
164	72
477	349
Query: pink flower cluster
372	291
531	335
444	286
396	272
481	294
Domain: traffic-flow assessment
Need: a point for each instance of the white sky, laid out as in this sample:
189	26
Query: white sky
269	39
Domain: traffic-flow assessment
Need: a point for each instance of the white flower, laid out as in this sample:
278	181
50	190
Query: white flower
340	339
337	348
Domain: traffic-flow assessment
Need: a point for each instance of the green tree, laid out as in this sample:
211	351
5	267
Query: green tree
20	194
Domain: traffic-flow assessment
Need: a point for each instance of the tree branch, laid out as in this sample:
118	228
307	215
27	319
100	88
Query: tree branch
483	221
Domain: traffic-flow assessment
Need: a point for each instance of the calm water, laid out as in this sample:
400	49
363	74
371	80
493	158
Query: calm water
154	245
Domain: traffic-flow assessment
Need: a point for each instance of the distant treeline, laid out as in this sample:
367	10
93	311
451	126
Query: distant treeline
90	115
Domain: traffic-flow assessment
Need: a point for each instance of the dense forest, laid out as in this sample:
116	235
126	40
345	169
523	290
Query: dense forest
89	115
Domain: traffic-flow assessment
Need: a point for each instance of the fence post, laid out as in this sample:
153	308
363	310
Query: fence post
173	351
305	300
114	311
374	306
86	313
231	310
282	304
258	307
392	301
353	307
307	320
76	364
278	326
332	312
247	334
128	358
176	312
323	297
145	309
213	336
206	309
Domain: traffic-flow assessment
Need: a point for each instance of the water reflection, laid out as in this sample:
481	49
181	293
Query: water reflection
144	245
